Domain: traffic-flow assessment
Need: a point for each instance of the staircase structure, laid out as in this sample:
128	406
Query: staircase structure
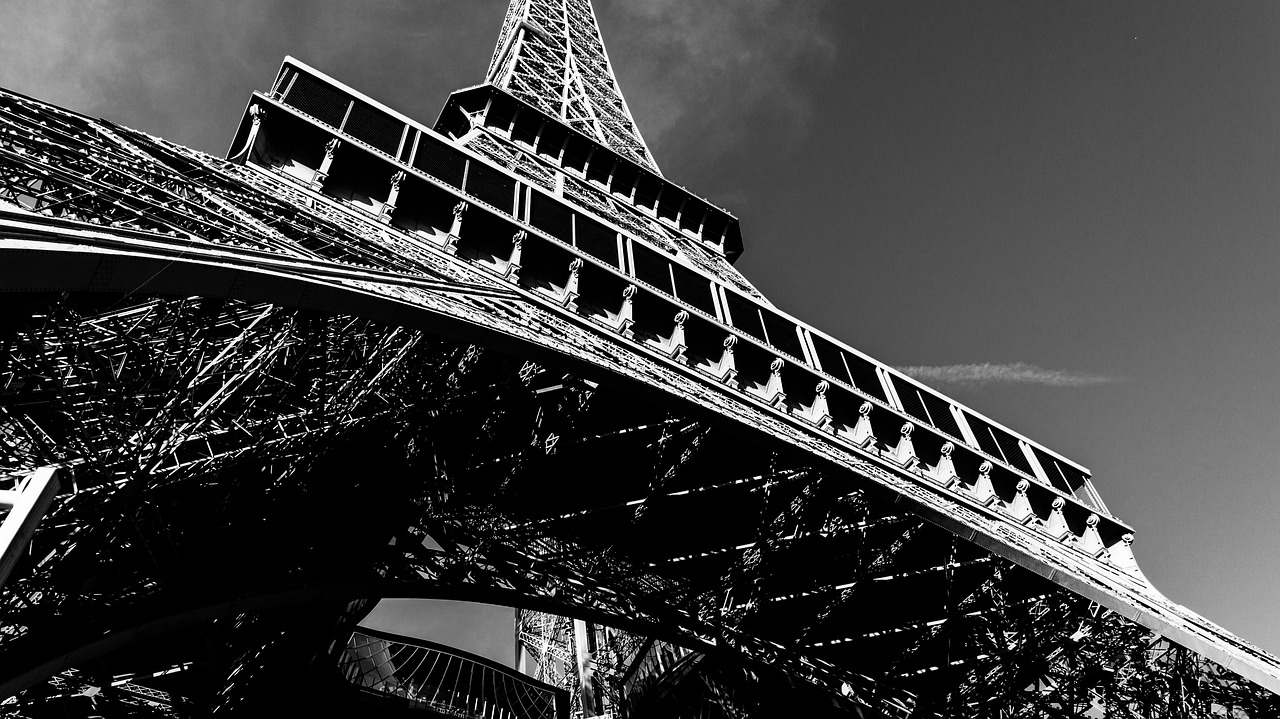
502	358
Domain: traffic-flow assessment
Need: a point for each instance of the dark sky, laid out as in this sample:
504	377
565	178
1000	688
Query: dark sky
1066	214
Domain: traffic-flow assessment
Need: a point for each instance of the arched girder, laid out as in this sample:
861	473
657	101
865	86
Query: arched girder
568	548
265	424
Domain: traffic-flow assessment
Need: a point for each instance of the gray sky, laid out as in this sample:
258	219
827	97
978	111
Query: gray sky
1063	214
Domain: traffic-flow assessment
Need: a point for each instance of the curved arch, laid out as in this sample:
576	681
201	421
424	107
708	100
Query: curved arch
43	254
157	617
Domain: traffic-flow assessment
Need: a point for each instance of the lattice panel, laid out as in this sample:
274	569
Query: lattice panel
550	55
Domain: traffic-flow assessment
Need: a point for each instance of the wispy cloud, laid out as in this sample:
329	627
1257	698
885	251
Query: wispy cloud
1011	373
694	71
184	70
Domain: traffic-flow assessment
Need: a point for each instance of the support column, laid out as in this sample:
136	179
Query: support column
818	412
1122	556
725	370
626	316
569	299
983	491
455	230
330	149
862	434
1056	526
257	114
384	215
513	264
586	685
1091	542
677	345
1020	508
945	471
905	453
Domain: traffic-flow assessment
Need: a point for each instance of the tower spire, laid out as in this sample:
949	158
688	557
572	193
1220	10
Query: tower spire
550	55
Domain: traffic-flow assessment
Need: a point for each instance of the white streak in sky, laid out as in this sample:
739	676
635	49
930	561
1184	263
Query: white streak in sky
1012	373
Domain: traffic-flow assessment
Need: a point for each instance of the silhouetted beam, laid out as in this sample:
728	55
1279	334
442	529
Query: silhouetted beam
27	503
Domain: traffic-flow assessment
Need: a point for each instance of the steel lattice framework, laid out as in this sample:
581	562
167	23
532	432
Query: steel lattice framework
503	360
551	56
437	678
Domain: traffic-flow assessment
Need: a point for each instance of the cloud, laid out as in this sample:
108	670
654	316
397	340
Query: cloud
155	66
184	69
1012	373
694	72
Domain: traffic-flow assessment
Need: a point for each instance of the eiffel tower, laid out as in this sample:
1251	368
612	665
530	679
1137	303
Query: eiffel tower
503	359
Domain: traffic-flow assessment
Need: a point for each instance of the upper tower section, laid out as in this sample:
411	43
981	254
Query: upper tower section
550	55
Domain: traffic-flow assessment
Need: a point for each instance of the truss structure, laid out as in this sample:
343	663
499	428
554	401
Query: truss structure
550	55
367	358
440	679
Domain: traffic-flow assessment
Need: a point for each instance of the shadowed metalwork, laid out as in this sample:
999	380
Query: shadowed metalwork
502	359
550	55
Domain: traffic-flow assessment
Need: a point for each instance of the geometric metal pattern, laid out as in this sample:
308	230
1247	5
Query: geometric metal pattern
445	680
548	649
550	55
363	359
593	664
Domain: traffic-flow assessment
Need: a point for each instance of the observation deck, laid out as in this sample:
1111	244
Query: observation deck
532	200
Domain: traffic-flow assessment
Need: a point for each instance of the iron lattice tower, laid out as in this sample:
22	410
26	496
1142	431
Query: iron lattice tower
503	359
550	56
